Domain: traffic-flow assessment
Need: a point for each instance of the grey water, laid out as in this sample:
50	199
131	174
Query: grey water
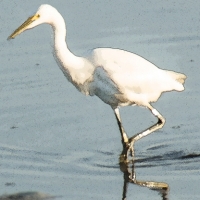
55	143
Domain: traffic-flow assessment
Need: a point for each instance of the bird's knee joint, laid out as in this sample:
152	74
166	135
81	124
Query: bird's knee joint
161	121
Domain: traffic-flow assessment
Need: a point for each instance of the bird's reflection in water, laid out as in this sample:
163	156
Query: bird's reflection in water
127	167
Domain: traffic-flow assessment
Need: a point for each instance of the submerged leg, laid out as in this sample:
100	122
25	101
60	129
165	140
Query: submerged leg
158	125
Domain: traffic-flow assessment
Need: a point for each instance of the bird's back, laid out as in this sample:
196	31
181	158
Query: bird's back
135	79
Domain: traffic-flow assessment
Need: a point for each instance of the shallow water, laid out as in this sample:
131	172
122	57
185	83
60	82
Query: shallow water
58	142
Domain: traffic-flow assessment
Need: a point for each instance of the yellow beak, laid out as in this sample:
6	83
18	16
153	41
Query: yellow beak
23	26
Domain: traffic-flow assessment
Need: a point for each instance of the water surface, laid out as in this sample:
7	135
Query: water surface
58	142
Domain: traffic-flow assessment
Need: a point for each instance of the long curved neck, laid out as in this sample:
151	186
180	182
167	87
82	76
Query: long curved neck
77	69
67	60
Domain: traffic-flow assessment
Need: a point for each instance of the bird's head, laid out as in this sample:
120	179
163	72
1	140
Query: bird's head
43	15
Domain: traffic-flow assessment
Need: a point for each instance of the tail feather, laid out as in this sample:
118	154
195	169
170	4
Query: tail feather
177	76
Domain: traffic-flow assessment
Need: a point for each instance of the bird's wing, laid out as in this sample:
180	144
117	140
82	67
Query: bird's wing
127	70
136	78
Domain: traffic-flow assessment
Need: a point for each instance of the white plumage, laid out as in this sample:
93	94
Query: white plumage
117	77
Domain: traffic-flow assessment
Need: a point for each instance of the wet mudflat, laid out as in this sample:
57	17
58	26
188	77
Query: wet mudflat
62	145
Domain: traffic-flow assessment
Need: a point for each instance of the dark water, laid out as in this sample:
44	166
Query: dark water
57	143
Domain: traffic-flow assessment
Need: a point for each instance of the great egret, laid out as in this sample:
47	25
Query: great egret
117	77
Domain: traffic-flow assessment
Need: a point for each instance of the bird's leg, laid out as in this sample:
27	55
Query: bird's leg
123	134
158	125
124	137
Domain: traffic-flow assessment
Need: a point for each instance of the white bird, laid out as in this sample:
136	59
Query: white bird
117	77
